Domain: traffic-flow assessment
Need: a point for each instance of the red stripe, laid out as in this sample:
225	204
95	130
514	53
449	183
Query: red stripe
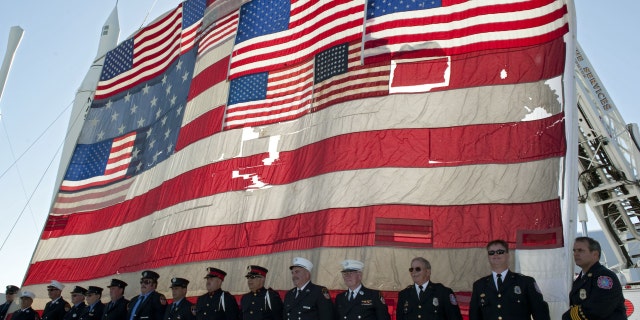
204	126
403	148
454	227
209	77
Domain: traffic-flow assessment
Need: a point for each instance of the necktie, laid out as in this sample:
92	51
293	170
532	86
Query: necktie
352	296
499	281
135	307
297	293
421	292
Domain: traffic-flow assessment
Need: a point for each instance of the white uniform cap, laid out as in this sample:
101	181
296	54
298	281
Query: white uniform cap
352	265
56	284
302	263
28	294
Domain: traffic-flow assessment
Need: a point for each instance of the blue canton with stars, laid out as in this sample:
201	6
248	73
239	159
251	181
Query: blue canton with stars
154	110
118	60
331	62
260	17
251	87
379	8
192	12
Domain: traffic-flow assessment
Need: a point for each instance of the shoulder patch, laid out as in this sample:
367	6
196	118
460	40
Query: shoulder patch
163	300
605	282
67	306
535	285
453	300
325	293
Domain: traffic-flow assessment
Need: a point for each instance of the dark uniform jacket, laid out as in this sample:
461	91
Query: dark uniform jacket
6	309
520	298
597	295
437	302
116	310
75	312
313	303
55	310
181	311
264	304
220	305
26	314
93	313
368	304
151	308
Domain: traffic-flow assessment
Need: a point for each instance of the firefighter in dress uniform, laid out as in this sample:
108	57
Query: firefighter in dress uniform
306	301
95	307
78	307
57	307
149	304
216	304
260	303
9	306
26	312
359	302
505	294
180	309
116	309
596	292
425	299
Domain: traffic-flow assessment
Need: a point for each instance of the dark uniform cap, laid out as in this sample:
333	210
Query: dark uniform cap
148	274
179	282
256	271
117	283
215	273
79	290
12	289
96	290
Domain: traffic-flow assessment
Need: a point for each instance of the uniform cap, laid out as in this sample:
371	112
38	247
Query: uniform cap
12	289
28	294
215	273
55	284
256	271
302	263
93	289
148	274
117	283
352	265
179	282
80	290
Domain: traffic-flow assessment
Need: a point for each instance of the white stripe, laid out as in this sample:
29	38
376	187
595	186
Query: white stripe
90	199
472	184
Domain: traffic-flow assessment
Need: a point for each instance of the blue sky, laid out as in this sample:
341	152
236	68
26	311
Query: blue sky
60	42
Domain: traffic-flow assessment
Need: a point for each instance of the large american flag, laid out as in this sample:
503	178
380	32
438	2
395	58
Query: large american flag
321	129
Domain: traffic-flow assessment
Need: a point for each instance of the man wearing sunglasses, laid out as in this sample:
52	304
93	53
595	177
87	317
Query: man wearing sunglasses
9	307
425	299
57	307
150	304
596	292
505	294
260	303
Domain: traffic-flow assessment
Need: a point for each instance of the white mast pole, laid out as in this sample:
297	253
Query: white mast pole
15	36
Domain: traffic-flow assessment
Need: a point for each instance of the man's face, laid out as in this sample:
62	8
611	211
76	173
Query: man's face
255	282
582	256
300	276
115	293
77	298
92	298
213	284
25	302
178	293
10	297
352	278
498	257
419	272
53	293
147	285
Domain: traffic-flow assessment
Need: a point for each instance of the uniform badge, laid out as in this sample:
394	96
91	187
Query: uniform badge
367	303
605	282
590	275
74	315
436	302
382	300
453	300
163	300
406	307
583	294
325	293
517	290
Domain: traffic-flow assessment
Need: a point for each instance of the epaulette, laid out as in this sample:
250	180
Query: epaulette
409	286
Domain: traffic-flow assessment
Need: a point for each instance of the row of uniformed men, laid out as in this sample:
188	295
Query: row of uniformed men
501	295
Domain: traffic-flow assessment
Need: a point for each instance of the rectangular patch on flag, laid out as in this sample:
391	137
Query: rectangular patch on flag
539	239
419	75
396	232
